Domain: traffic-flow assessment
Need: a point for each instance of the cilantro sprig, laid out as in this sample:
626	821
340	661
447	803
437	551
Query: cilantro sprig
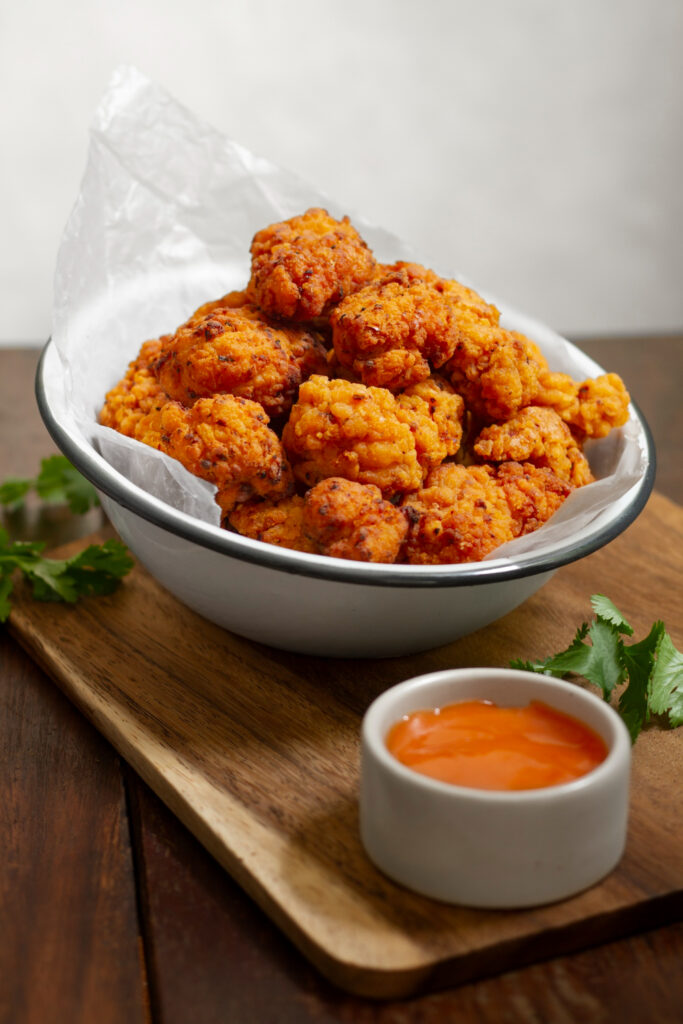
94	571
58	482
651	668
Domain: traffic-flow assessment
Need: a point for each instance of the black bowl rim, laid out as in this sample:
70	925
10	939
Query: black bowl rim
122	491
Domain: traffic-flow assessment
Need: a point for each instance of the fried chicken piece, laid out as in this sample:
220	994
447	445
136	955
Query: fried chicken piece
538	435
237	351
466	512
136	394
496	371
225	440
434	414
337	517
273	522
591	408
533	494
461	515
337	428
406	321
351	520
467	301
389	333
302	266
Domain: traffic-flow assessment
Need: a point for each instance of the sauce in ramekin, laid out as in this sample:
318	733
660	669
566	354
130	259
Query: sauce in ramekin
478	744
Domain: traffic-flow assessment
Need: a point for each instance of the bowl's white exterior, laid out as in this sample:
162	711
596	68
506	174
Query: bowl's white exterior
314	615
482	848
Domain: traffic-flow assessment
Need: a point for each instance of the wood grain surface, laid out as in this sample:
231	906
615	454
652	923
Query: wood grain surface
257	752
79	928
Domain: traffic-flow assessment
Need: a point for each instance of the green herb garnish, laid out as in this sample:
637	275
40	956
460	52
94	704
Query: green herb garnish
58	482
651	668
93	571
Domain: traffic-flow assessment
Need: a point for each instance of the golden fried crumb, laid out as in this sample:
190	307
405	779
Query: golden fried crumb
393	331
496	371
466	512
460	516
303	266
467	301
273	522
351	520
391	334
225	440
591	408
137	394
434	414
337	428
533	494
235	351
537	435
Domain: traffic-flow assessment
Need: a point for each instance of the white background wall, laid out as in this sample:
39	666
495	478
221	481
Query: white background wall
535	145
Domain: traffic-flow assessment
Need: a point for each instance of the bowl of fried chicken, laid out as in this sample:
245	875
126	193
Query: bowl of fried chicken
380	445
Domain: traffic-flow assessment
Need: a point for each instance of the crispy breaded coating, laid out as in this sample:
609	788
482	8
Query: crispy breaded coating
467	301
225	440
336	371
591	408
351	520
391	334
404	322
273	522
466	512
533	494
337	428
309	351
538	435
236	351
136	394
496	371
461	515
434	414
302	266
233	300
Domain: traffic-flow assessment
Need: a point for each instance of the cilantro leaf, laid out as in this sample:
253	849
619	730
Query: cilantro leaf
98	569
529	666
638	660
598	661
652	668
58	482
604	609
94	571
560	664
13	491
666	683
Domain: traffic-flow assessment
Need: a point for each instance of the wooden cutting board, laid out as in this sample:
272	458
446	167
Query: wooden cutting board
257	752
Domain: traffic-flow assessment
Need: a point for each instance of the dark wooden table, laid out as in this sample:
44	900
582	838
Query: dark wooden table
110	911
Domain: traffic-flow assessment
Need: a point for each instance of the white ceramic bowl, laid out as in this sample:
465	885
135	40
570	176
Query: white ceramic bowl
485	848
309	603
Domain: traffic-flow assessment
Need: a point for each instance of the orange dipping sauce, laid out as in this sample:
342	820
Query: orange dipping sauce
478	744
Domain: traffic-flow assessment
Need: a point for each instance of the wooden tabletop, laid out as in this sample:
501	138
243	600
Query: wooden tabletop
111	911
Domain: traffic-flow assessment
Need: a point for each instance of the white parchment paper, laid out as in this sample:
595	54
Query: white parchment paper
163	222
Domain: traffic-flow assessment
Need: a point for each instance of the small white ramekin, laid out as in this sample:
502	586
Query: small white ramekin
485	848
